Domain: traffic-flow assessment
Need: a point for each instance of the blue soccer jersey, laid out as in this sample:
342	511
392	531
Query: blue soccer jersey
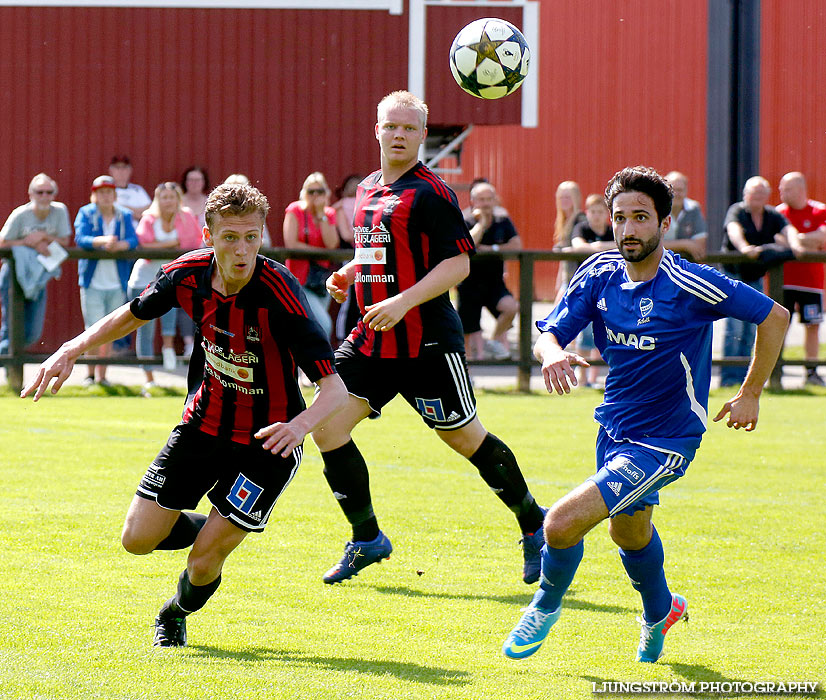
655	337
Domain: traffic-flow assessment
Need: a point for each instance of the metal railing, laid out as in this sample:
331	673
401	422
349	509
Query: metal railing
524	362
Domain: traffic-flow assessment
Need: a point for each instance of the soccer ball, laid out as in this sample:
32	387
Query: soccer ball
489	58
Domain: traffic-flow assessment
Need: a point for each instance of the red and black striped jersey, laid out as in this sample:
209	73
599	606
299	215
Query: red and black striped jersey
242	375
402	231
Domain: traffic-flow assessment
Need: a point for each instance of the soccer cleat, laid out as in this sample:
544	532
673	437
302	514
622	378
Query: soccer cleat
357	555
530	632
653	636
170	632
532	544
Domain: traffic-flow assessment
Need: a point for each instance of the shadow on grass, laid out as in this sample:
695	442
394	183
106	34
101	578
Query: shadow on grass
569	602
432	675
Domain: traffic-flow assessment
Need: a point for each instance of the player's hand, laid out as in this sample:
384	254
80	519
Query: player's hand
558	370
281	438
337	286
742	412
58	366
386	314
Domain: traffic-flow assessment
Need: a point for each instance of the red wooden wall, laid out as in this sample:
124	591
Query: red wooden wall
792	109
274	94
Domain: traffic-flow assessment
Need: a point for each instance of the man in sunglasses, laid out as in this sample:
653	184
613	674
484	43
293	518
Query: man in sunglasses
31	228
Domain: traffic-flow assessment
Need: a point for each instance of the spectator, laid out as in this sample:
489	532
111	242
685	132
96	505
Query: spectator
129	195
568	214
759	231
195	186
30	229
498	210
594	233
166	224
348	312
310	223
103	225
485	286
688	232
592	236
803	282
241	179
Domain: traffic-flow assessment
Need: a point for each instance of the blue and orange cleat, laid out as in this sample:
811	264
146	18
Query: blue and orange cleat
653	636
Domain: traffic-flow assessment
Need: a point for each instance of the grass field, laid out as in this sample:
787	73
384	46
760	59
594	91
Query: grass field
743	532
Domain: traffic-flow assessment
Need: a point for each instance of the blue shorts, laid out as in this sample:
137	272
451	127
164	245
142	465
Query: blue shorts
629	476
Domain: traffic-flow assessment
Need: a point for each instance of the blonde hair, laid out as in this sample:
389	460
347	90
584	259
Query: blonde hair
317	178
234	200
402	98
564	223
155	208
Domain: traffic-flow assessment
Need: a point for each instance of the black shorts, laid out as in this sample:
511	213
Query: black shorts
475	297
243	481
809	304
437	386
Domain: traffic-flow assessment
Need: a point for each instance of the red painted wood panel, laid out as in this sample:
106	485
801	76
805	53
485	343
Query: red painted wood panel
792	110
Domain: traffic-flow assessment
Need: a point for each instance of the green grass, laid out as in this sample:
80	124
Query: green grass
743	532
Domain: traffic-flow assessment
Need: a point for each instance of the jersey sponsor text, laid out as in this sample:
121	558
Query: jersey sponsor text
367	279
643	342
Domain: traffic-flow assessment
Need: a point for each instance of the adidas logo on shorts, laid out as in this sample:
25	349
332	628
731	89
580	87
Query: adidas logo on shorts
615	486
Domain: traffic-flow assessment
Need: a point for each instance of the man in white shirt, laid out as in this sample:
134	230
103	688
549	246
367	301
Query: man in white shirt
131	196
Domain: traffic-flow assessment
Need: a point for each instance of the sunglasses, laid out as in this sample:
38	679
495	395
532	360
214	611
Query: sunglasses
314	191
41	192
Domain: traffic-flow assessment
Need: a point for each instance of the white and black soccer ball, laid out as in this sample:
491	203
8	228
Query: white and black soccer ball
489	58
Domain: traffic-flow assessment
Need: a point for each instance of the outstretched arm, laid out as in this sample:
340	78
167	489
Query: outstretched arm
743	409
283	438
59	366
557	364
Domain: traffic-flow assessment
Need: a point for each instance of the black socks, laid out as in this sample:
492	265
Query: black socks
346	473
498	467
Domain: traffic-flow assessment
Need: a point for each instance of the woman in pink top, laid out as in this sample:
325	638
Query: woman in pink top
310	222
165	224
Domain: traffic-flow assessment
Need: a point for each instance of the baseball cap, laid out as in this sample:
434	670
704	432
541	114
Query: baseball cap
103	181
120	158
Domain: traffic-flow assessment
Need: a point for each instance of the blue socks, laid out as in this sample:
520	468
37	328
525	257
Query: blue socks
645	569
558	569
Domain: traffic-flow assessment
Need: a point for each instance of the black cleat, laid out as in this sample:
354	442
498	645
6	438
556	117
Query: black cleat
170	632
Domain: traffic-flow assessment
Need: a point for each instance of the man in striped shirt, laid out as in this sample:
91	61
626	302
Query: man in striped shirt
652	314
240	439
411	247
